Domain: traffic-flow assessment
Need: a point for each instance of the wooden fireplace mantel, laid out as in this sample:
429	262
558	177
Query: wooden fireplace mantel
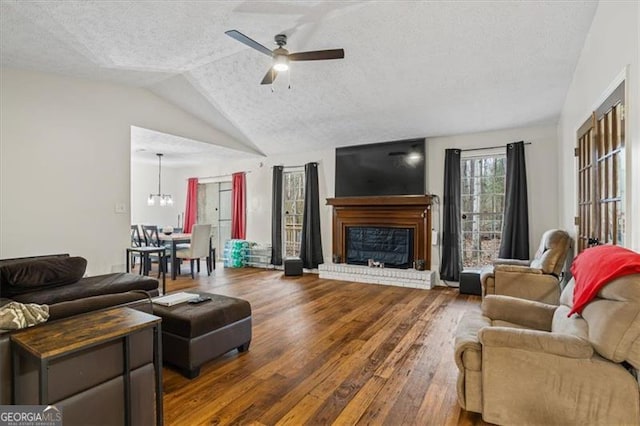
394	211
386	200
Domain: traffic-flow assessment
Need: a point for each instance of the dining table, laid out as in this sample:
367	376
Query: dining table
174	239
184	238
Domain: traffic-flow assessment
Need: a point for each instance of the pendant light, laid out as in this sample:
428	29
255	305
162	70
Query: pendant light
165	199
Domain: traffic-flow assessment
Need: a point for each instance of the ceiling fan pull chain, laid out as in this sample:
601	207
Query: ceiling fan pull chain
289	77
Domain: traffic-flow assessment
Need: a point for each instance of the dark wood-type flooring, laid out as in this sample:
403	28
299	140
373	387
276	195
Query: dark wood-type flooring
327	352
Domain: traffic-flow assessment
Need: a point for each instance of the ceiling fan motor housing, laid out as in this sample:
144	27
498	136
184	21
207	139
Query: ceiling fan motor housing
281	39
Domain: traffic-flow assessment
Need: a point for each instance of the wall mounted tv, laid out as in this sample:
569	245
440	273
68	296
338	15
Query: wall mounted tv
388	168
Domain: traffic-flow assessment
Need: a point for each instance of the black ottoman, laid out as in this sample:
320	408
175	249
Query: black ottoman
470	282
293	267
193	334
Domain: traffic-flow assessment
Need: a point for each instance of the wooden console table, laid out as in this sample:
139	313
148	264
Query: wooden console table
65	337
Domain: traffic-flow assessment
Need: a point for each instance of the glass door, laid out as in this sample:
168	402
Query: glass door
292	212
224	217
214	207
483	187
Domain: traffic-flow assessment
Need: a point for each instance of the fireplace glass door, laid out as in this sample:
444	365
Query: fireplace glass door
392	247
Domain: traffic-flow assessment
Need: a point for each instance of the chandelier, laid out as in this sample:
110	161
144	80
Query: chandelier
165	199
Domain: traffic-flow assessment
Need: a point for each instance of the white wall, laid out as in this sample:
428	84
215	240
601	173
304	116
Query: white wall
65	163
613	44
542	173
144	181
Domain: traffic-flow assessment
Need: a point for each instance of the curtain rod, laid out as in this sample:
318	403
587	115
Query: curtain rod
488	147
219	176
291	167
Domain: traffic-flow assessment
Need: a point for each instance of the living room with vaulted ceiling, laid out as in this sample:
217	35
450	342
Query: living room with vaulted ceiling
89	96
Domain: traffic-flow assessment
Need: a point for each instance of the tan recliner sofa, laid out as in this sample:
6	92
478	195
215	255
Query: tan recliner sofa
536	279
526	362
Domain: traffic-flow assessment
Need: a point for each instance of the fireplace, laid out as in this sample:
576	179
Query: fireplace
398	212
391	246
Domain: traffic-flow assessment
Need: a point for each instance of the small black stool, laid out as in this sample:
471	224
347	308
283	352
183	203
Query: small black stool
292	267
470	282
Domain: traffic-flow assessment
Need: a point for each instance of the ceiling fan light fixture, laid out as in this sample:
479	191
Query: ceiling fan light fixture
281	63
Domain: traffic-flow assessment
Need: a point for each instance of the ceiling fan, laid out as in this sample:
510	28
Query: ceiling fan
281	56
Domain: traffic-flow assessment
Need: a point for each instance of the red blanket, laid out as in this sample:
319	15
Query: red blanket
595	267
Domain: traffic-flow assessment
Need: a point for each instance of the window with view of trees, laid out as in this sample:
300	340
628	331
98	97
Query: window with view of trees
292	212
483	186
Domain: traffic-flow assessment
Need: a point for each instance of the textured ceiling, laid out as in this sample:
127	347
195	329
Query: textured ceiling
178	151
411	69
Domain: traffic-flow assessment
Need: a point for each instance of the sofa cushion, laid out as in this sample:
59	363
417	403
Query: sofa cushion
9	261
33	274
552	252
90	286
96	303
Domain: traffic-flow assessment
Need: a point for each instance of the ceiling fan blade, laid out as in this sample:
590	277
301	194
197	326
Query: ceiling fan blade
248	41
269	76
317	55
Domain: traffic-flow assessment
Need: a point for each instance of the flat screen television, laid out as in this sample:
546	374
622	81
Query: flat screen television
388	168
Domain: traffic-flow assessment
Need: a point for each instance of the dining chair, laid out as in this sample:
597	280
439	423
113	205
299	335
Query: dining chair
136	241
151	239
199	248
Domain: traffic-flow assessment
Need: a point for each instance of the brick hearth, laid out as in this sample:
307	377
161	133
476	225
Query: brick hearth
384	276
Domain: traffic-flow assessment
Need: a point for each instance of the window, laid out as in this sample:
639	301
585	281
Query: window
483	184
601	174
292	212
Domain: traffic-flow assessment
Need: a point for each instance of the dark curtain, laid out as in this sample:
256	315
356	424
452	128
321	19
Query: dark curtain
451	263
515	231
311	242
276	216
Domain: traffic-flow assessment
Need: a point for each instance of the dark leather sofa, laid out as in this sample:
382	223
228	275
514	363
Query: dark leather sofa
57	281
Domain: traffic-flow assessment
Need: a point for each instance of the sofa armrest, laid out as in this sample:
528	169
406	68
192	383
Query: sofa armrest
466	334
487	280
564	345
468	358
528	313
516	262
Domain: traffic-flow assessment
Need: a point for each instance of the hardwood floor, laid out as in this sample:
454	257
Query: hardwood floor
327	352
